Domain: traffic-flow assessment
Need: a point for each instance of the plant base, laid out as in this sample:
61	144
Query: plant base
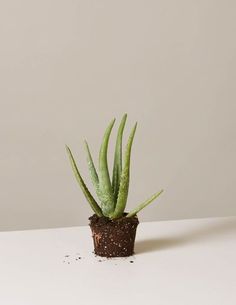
113	238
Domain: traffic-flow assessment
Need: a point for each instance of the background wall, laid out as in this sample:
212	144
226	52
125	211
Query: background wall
68	66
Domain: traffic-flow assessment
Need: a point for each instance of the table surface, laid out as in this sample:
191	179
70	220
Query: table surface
176	262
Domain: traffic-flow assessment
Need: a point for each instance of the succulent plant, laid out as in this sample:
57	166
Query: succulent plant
112	194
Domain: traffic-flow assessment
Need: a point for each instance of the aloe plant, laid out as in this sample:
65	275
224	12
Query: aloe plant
112	193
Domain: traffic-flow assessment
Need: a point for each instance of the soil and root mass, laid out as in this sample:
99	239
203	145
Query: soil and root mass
113	238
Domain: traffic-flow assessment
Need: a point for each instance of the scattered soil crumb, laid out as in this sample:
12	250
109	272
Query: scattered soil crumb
67	255
131	262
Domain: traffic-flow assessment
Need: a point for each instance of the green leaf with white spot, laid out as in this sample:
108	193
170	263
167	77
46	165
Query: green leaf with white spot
83	186
125	176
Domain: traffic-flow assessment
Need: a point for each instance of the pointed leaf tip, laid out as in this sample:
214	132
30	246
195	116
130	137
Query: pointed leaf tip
91	167
105	188
144	204
125	176
117	165
82	185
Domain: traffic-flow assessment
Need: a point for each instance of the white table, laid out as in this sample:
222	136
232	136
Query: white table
183	262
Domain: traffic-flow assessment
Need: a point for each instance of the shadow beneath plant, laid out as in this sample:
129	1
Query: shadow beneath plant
150	245
206	231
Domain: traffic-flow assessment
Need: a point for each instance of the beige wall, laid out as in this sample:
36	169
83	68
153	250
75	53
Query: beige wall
67	67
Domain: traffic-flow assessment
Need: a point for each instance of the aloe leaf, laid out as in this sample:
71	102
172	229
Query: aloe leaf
117	166
83	186
144	204
124	181
105	188
92	169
